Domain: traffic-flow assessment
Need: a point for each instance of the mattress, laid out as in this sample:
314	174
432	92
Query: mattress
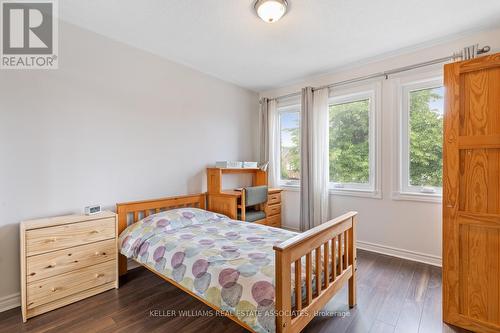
228	263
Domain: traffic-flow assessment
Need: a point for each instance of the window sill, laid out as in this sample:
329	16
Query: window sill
289	187
345	192
422	197
356	193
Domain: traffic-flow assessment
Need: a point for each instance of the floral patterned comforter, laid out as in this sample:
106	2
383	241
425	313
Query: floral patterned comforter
228	263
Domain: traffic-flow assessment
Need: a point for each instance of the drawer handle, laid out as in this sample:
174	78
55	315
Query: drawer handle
51	266
94	232
51	240
53	289
99	275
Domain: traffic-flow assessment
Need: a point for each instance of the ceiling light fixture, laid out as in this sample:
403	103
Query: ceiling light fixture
270	10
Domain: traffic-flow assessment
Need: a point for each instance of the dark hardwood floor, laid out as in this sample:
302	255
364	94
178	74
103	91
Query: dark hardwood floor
394	295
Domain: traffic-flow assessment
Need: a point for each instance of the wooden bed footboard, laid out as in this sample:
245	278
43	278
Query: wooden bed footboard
334	240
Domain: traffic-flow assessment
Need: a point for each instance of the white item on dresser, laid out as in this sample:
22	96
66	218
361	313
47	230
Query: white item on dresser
92	209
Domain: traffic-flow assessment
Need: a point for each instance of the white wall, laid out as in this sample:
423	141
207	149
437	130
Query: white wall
112	124
412	228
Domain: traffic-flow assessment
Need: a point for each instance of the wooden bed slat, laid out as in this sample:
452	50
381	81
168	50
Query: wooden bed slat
308	278
298	285
334	258
326	264
318	270
341	253
346	246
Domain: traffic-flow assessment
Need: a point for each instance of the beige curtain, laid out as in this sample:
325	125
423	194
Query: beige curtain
314	172
264	133
269	136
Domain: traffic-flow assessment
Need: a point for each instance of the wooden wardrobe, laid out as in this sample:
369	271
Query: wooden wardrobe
471	194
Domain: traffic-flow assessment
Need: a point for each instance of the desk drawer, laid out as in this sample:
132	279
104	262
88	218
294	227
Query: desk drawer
274	221
274	198
51	289
62	261
273	209
49	239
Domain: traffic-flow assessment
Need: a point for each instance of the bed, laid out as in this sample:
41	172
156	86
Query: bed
265	279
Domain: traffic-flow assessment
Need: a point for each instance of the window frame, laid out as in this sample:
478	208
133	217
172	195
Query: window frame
281	109
404	190
373	92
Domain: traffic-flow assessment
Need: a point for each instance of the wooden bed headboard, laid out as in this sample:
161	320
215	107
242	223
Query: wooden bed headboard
131	212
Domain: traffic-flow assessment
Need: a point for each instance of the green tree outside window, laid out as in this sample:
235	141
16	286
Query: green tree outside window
425	137
349	145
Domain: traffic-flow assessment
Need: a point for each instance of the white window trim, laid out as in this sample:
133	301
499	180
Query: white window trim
403	86
288	108
374	92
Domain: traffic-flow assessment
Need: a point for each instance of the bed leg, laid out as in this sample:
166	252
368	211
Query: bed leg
121	226
352	262
352	291
283	291
122	265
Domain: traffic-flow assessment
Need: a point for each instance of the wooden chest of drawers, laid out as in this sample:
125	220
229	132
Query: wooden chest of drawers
65	259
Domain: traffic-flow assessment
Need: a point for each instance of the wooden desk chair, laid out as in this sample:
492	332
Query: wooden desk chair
253	204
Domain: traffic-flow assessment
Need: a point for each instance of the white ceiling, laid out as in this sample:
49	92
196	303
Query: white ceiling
224	38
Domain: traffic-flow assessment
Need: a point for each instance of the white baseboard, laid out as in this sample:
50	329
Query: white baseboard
400	253
10	302
392	251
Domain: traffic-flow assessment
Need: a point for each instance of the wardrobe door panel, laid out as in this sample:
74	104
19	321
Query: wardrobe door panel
471	194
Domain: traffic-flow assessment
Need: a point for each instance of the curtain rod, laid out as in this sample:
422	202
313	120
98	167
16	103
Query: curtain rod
461	55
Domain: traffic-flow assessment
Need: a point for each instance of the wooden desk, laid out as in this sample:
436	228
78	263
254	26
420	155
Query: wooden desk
228	201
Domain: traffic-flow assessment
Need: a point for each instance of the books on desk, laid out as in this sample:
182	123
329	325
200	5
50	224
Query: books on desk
229	164
250	165
235	165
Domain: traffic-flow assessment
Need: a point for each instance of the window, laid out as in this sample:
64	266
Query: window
421	162
289	126
353	141
349	143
